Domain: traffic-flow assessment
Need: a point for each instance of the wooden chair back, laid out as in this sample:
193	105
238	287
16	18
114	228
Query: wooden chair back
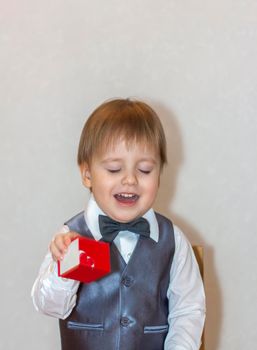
198	250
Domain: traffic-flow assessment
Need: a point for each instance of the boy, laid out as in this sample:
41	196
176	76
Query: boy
153	298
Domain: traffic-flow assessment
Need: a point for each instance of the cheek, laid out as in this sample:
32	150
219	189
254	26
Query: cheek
151	187
155	190
102	183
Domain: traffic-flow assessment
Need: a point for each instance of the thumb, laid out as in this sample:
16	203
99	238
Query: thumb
69	237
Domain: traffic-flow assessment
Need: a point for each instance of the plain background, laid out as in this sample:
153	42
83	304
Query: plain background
195	63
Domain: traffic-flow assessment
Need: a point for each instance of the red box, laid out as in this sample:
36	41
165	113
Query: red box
86	260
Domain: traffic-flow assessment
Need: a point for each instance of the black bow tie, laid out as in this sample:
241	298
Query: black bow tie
110	228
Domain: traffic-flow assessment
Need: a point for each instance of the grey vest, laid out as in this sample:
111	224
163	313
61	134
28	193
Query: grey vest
127	309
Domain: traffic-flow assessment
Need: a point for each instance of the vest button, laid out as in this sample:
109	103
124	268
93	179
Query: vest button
125	321
127	281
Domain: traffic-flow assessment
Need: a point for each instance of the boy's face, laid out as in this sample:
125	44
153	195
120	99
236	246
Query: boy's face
124	181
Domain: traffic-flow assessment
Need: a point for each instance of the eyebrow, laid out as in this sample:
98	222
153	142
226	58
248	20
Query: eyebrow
152	160
108	160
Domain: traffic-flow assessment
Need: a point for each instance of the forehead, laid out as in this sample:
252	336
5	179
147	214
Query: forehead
121	147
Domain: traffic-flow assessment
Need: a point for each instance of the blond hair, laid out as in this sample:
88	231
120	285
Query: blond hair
131	120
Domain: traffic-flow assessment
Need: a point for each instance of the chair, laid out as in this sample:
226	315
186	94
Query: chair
198	250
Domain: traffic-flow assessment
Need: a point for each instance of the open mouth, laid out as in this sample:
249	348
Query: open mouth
126	197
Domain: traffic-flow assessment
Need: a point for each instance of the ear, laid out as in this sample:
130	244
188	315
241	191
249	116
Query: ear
85	175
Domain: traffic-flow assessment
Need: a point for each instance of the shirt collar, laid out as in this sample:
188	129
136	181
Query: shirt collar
92	212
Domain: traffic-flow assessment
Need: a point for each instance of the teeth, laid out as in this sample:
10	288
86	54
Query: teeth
126	195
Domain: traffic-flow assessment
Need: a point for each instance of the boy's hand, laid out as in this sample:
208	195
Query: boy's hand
59	244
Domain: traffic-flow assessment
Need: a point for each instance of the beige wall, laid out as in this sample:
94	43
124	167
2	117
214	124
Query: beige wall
195	62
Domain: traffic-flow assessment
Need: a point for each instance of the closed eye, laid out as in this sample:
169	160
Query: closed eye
145	171
113	170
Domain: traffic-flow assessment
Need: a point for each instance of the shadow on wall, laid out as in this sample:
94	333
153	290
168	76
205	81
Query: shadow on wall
166	195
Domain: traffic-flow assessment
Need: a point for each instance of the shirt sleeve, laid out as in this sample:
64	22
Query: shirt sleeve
186	298
52	295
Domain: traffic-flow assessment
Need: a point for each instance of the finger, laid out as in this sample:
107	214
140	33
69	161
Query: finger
56	253
59	241
70	236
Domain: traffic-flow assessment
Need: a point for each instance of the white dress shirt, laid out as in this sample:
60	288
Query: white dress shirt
55	296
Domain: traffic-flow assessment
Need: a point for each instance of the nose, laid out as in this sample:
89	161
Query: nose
129	179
